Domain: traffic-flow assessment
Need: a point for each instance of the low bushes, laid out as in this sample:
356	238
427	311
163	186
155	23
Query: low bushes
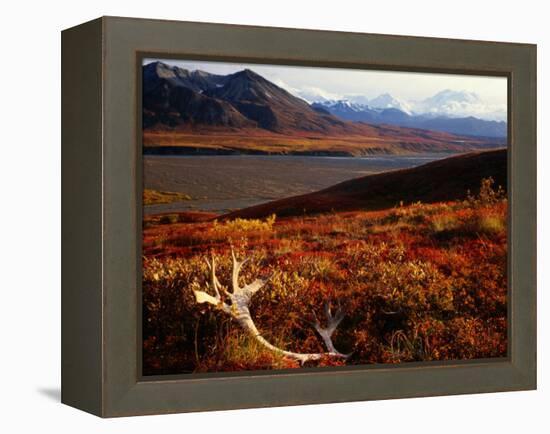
424	282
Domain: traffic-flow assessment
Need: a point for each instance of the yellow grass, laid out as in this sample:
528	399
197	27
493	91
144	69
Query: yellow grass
155	197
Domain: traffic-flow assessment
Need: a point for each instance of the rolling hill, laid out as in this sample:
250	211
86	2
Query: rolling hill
443	180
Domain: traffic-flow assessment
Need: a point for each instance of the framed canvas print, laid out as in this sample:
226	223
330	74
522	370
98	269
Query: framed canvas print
261	217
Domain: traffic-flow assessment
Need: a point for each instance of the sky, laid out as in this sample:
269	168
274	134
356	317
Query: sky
315	83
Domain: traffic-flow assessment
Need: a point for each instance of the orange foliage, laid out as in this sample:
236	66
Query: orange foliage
419	283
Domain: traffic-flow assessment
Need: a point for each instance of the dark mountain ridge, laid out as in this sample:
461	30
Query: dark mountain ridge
157	73
239	100
173	96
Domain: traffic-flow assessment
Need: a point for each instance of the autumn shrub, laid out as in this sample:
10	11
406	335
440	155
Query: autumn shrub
419	282
413	215
444	223
488	194
490	224
243	225
322	267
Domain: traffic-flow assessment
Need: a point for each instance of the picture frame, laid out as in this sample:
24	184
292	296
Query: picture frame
101	216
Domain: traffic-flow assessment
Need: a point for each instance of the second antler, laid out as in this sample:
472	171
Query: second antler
240	298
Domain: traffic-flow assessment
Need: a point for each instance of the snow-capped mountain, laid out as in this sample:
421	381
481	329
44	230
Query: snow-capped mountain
386	101
453	96
354	111
343	104
360	102
453	103
357	99
447	103
467	125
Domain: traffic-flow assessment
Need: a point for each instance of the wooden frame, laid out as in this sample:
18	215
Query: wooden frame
101	217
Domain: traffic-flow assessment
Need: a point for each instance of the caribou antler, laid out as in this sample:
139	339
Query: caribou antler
332	324
240	298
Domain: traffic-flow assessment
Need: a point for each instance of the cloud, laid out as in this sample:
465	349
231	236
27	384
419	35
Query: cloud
460	103
312	94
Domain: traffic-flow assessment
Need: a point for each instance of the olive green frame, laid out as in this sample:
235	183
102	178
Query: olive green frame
101	216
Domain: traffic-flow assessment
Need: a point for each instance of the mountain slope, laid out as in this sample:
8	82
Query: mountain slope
272	107
259	102
442	180
174	96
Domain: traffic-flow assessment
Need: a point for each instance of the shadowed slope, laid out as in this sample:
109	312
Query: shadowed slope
442	180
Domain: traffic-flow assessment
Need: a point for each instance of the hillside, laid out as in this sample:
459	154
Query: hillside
424	282
442	180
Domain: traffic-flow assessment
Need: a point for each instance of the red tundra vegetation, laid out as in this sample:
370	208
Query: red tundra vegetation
422	282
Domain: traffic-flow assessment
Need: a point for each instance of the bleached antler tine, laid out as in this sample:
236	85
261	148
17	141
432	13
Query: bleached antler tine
213	277
235	274
254	287
332	323
328	313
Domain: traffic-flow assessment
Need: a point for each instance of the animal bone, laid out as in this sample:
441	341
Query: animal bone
240	298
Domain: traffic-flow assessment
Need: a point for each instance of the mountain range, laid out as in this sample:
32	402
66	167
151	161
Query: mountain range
387	110
244	112
445	103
